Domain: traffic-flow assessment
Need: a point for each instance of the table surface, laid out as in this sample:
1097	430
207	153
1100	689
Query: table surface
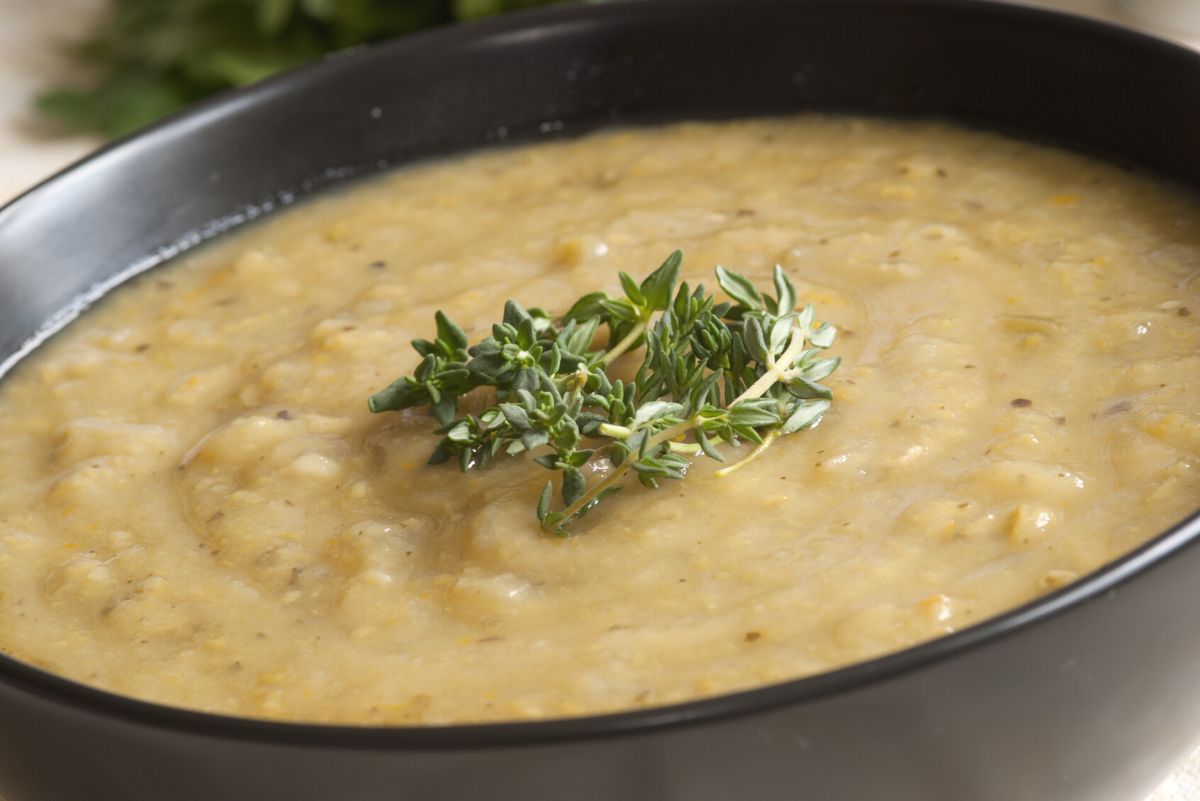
30	153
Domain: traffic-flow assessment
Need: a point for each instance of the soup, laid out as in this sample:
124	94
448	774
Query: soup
199	510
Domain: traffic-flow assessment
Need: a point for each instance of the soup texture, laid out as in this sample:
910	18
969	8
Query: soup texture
198	509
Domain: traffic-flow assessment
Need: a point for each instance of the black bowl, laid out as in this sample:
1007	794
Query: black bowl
1084	695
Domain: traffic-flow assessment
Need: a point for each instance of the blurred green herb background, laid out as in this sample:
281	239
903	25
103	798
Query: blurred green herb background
148	58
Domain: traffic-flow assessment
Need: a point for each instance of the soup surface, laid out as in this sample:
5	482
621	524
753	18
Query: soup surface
198	509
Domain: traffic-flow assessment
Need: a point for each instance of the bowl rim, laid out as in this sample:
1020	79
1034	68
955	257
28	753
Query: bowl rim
1104	582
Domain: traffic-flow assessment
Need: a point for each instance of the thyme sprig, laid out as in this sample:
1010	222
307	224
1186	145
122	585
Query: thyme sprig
748	369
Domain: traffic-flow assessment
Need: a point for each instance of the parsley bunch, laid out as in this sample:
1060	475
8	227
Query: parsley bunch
148	58
748	369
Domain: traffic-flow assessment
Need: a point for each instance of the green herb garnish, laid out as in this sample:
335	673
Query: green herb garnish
712	373
148	58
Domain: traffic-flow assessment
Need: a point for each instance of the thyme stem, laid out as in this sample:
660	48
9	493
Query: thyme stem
774	373
626	343
620	470
768	439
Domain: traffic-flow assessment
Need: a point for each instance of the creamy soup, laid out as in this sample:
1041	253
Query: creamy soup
198	509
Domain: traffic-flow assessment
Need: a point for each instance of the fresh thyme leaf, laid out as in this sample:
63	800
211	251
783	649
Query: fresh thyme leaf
739	288
784	291
657	287
806	415
717	373
543	507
